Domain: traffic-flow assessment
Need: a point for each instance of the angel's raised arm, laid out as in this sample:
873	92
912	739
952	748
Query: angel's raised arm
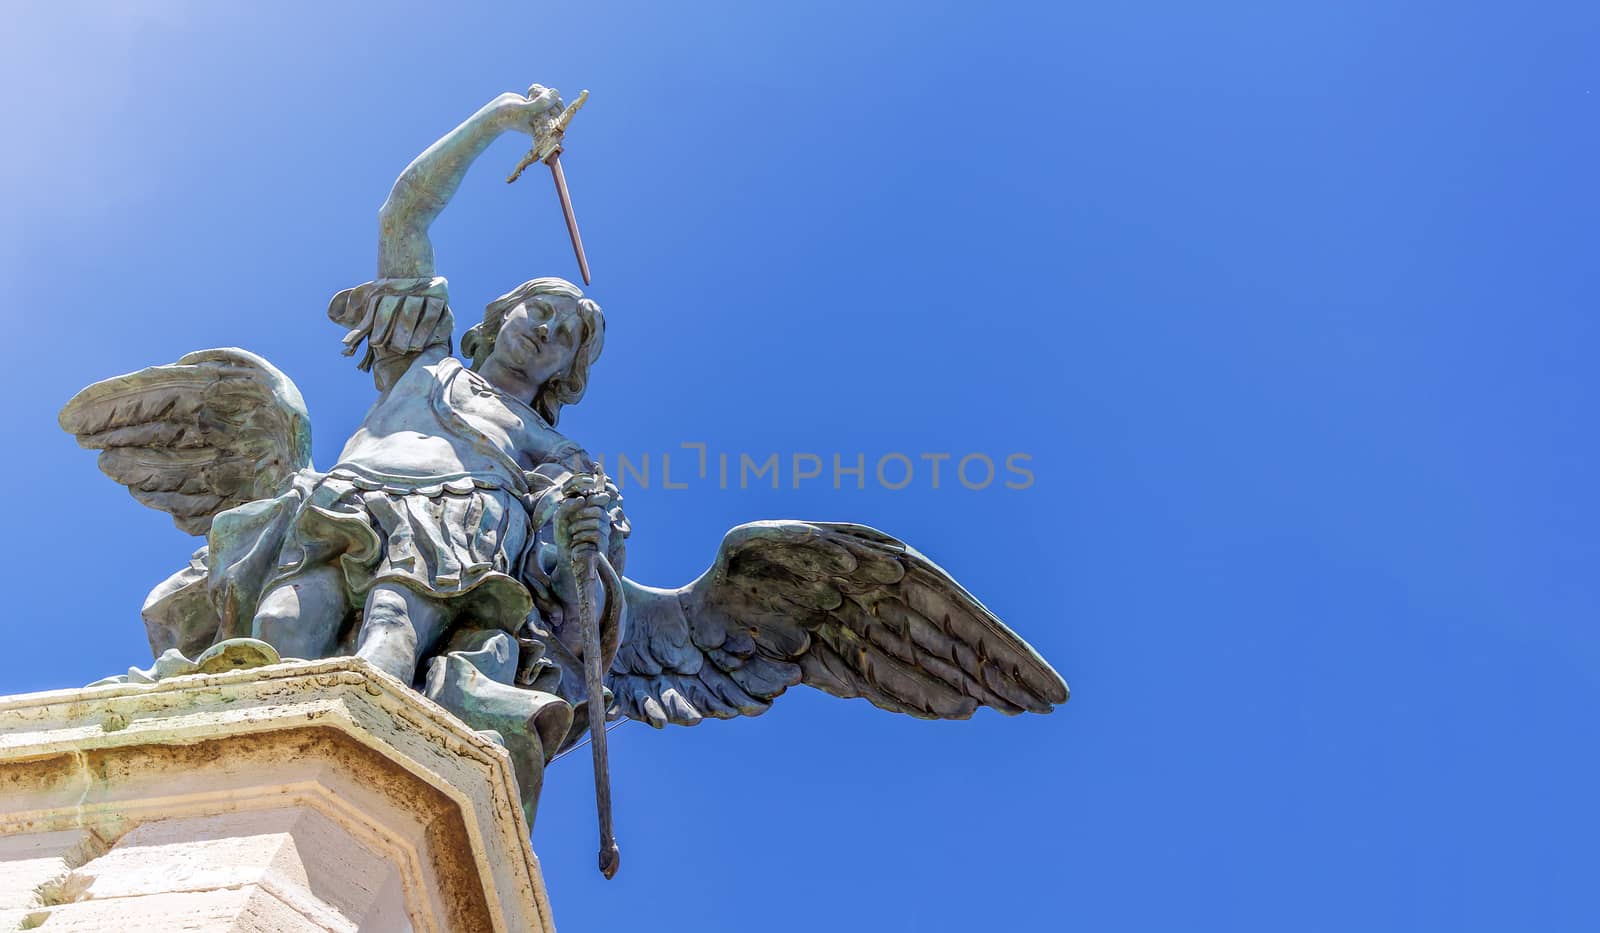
430	181
404	312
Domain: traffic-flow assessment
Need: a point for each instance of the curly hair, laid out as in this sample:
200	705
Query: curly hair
563	388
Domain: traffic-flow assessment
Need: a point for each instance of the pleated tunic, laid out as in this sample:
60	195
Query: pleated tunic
430	494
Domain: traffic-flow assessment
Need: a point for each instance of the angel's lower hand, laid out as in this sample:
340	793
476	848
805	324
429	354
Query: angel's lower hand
581	524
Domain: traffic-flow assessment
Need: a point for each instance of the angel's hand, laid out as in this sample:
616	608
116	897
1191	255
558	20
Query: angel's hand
581	523
528	114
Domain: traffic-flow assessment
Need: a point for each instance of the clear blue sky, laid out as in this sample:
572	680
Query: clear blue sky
1292	305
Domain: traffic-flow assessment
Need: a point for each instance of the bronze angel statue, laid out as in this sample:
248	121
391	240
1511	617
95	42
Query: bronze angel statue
464	545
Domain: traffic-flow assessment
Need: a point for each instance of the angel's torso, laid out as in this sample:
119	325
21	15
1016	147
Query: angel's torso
440	421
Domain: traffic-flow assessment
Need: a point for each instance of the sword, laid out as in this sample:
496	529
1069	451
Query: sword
547	149
584	561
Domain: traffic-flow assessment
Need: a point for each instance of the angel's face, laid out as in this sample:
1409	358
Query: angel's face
539	338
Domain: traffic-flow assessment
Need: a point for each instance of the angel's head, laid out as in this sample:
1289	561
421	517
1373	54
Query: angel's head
538	341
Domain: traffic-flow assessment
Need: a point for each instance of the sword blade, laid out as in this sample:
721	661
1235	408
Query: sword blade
566	210
583	565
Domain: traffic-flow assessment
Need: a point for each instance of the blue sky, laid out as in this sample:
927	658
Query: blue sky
1292	306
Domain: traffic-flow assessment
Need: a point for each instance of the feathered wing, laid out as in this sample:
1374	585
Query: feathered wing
843	608
212	431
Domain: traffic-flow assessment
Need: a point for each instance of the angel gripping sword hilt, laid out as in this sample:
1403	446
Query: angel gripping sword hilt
547	138
585	560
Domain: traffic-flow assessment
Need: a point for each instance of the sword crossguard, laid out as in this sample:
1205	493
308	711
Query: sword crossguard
548	134
584	483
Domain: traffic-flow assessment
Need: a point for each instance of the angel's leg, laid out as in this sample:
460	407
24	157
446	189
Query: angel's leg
301	617
399	625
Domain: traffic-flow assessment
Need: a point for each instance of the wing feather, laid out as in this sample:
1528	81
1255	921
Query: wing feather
214	430
844	608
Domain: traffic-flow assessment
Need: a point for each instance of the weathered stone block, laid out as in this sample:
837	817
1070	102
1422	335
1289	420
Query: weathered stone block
303	796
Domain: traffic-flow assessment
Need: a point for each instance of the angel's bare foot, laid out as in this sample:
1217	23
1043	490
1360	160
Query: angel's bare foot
398	626
301	617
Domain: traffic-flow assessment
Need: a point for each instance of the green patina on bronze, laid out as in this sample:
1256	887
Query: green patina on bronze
464	545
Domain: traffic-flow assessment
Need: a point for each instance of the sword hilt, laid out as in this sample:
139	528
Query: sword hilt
548	134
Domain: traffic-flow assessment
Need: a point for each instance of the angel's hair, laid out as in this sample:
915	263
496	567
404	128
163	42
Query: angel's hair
563	388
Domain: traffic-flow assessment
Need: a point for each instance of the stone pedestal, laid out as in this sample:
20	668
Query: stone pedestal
305	796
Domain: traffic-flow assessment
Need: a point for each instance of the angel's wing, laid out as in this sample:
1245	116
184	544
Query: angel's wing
844	608
214	430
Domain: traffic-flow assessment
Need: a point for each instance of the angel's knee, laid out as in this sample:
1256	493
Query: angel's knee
397	626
